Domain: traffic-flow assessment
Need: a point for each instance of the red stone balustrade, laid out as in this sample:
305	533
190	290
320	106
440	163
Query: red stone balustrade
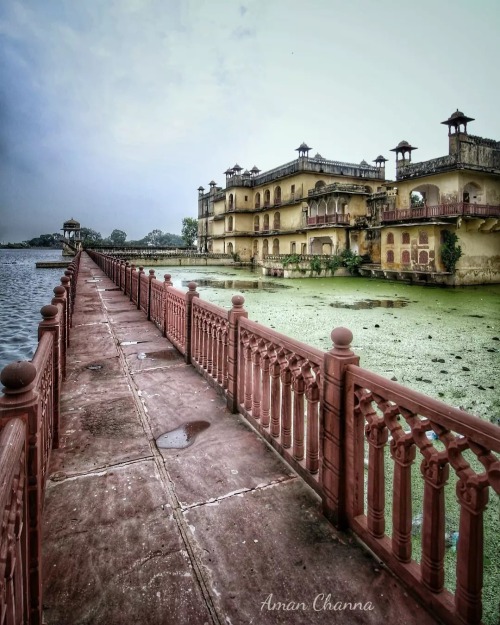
320	411
453	209
29	424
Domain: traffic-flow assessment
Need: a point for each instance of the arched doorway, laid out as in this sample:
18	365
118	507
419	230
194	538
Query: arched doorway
265	248
255	252
229	248
276	247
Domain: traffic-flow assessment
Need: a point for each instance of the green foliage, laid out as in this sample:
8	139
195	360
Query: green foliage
46	240
90	237
316	264
351	260
118	237
450	251
333	263
293	259
189	230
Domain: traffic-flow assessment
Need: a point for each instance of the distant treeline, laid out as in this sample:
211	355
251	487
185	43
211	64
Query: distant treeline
89	237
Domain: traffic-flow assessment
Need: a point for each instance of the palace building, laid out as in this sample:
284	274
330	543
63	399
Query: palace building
316	206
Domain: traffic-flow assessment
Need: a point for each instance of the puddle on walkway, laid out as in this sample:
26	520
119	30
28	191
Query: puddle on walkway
183	436
162	354
94	367
372	303
238	284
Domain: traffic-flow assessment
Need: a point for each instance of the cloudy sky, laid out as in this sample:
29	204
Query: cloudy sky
114	111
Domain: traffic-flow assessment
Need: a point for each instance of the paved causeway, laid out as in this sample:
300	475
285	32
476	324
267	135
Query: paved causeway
220	532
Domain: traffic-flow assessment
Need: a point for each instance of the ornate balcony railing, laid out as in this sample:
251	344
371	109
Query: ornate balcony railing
335	218
454	209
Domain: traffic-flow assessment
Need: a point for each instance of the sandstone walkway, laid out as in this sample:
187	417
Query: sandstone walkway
221	532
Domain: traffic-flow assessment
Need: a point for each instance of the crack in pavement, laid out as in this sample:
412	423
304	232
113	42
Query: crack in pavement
236	493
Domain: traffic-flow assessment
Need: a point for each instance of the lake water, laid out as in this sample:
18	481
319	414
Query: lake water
24	289
443	342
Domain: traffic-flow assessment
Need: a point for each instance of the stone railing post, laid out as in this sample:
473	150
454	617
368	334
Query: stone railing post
127	280
192	293
65	282
51	324
132	271
333	475
140	273
166	283
60	299
20	400
234	315
150	280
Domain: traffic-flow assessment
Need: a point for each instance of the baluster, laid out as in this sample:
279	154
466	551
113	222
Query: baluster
312	438
203	340
266	396
225	356
286	401
472	495
215	346
403	454
377	435
298	416
275	395
435	472
220	330
256	382
248	377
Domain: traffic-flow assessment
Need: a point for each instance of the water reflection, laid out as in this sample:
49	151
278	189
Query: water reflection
237	284
372	303
183	436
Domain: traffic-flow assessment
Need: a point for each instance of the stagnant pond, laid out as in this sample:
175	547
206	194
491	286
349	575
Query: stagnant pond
444	342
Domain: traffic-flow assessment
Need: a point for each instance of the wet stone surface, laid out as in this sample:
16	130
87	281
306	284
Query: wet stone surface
183	436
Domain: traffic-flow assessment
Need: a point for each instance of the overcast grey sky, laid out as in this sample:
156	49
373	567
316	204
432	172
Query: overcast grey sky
114	111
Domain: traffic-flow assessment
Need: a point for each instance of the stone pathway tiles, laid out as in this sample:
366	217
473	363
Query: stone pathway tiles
221	532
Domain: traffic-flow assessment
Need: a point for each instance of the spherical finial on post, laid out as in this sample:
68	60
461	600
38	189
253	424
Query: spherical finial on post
151	273
341	339
237	301
49	312
192	286
59	291
65	280
18	377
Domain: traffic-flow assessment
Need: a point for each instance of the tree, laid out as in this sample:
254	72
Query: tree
153	238
118	237
189	230
90	237
450	251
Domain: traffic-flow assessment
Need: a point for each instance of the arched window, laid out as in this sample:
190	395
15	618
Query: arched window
256	249
390	239
390	256
293	247
267	197
266	222
230	223
231	202
423	237
229	248
257	200
405	238
276	221
256	223
423	257
277	196
276	247
319	184
265	248
405	257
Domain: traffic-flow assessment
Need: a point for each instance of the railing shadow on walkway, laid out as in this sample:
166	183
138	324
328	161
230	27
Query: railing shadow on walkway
330	419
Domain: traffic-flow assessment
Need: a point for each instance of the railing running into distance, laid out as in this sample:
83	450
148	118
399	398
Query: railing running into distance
29	423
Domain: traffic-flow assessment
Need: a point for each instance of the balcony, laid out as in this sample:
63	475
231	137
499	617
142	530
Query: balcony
456	209
323	220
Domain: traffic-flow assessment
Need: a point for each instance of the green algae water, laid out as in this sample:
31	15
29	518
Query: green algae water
442	342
